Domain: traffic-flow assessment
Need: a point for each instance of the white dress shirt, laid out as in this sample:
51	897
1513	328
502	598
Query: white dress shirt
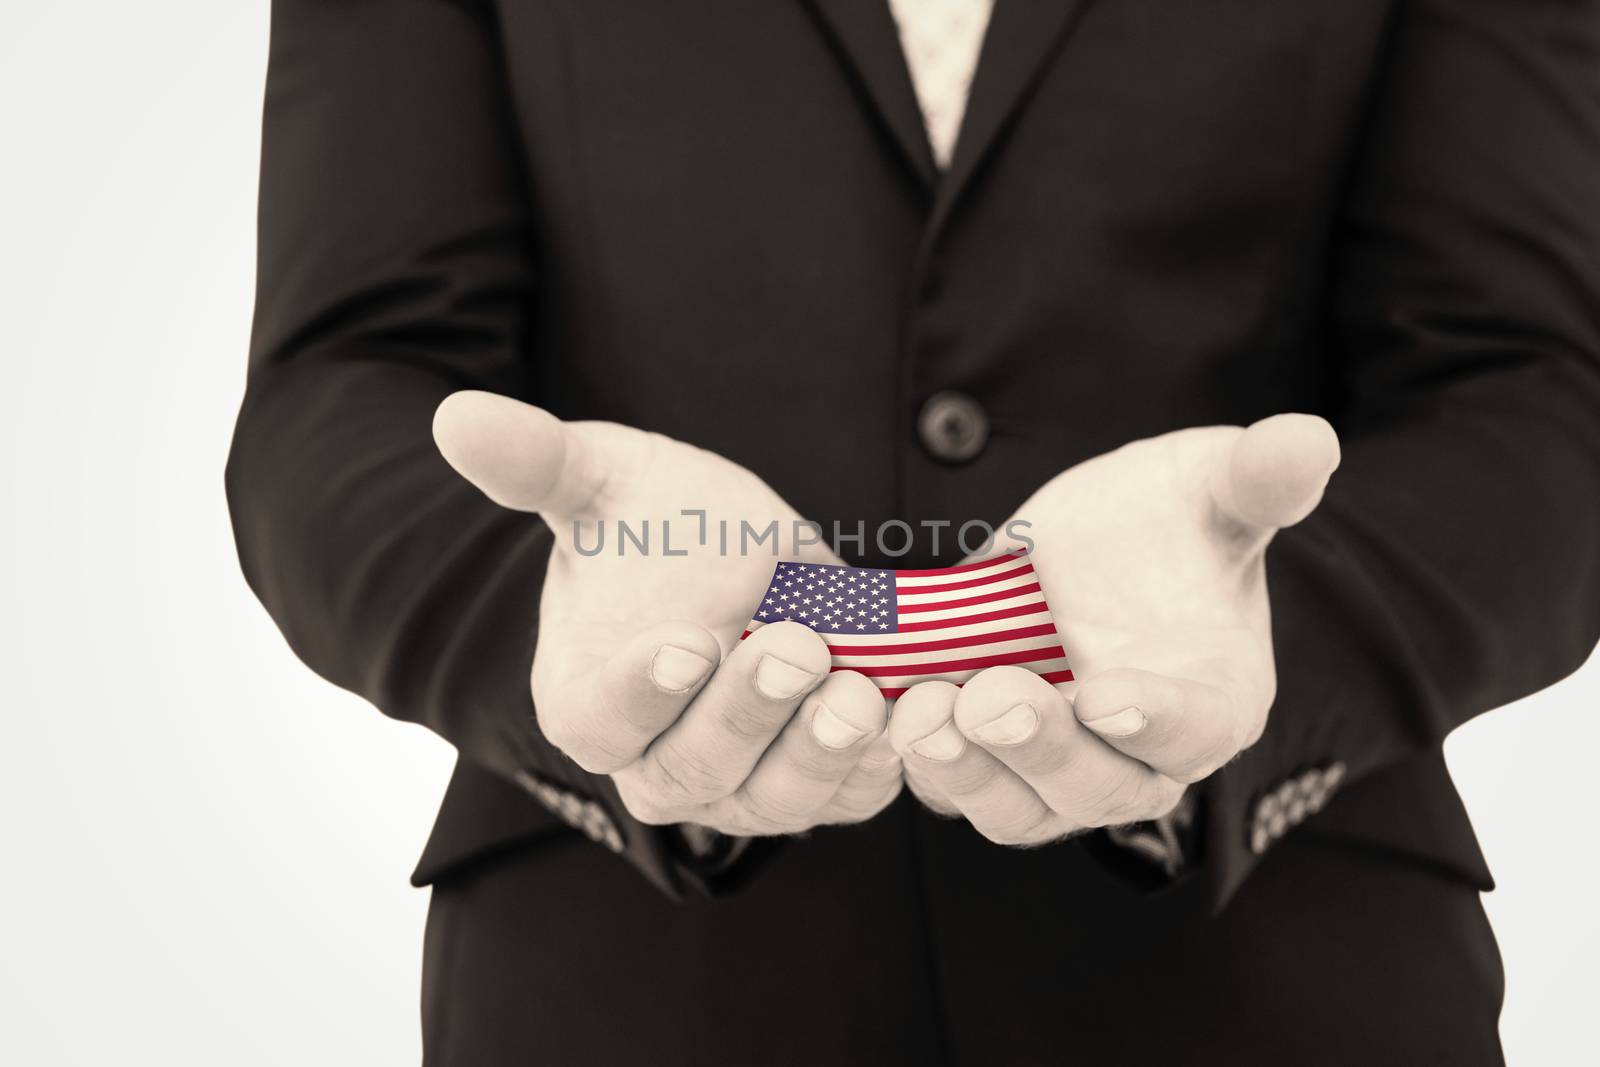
941	39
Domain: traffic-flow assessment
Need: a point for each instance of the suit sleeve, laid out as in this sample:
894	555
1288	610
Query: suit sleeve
1453	565
394	267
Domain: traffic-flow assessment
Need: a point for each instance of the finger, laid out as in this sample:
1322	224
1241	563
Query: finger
998	804
905	726
1025	723
605	719
803	769
928	794
526	459
871	785
1275	472
1183	728
917	782
714	745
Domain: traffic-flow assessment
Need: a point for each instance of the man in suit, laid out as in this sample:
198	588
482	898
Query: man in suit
627	260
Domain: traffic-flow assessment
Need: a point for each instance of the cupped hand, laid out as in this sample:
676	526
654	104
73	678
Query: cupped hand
638	671
1152	560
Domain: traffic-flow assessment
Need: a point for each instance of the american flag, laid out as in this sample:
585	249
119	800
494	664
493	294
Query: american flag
903	627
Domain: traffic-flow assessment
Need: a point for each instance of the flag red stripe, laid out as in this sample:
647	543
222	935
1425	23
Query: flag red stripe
962	620
987	598
967	620
899	669
894	692
949	642
963	569
951	587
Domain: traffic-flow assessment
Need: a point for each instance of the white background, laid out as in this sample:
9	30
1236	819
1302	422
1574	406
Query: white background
205	848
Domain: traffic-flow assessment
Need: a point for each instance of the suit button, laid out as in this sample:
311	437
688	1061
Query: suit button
952	427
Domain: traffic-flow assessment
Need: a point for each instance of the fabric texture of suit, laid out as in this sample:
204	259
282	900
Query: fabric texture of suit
722	221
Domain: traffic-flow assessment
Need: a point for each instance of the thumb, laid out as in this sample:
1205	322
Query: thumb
1274	473
519	456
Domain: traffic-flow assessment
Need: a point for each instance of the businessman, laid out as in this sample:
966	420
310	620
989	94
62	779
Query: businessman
1276	325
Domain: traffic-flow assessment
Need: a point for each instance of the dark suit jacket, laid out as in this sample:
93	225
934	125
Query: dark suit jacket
1159	215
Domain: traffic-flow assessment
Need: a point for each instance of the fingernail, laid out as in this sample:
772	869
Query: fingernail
778	680
1012	728
676	669
832	731
941	746
1124	723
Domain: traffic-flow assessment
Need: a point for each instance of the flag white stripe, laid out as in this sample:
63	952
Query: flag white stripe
941	655
955	629
998	565
1020	581
905	681
945	614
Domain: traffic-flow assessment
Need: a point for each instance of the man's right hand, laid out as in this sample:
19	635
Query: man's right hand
629	677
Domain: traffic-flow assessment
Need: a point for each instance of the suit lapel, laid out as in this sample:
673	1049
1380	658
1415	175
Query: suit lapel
864	33
1022	36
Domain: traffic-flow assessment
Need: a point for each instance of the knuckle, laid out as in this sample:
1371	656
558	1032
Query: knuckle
1164	798
816	766
598	756
932	799
859	806
1154	797
1050	756
744	821
641	805
595	758
873	767
650	815
1198	765
557	729
969	781
780	807
1196	770
1022	830
1117	799
683	777
846	812
582	744
747	721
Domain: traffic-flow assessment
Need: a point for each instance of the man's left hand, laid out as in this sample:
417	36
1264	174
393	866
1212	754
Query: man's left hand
1152	560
